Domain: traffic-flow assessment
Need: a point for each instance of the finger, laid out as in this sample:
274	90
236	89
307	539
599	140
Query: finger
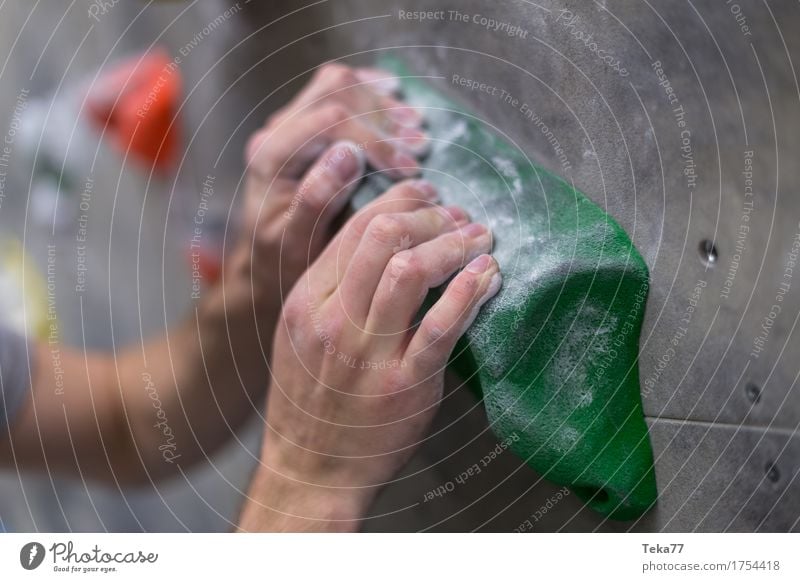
328	79
386	235
387	113
324	192
412	273
362	91
451	316
398	122
414	141
389	154
382	82
403	197
289	147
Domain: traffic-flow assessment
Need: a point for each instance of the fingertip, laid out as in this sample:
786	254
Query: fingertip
485	265
406	116
404	165
380	81
425	189
329	182
414	140
495	284
347	160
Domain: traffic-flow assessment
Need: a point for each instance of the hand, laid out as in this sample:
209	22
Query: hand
301	169
304	164
355	383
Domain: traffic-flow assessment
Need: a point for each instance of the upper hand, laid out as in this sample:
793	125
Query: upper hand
304	164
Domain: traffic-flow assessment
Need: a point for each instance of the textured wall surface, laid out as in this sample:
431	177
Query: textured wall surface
678	118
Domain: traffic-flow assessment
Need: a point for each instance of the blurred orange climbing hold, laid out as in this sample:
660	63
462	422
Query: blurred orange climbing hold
135	104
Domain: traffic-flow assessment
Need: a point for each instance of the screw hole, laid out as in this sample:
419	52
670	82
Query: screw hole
708	253
753	392
772	472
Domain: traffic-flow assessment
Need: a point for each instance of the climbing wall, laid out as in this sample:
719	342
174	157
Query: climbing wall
680	119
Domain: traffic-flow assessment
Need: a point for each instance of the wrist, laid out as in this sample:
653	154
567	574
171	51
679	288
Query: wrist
278	502
240	302
231	335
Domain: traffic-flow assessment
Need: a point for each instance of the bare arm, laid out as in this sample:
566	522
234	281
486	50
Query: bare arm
140	415
146	412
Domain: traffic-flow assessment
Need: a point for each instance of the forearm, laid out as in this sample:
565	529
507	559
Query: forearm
139	416
188	391
71	421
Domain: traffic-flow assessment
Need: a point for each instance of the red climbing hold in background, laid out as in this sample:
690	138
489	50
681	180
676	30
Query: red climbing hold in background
135	105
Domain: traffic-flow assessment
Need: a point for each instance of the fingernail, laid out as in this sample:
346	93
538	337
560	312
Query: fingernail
480	265
404	165
455	213
413	139
406	116
347	161
493	288
474	230
425	189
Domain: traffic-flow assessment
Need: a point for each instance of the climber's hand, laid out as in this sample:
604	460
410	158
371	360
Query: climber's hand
355	381
305	162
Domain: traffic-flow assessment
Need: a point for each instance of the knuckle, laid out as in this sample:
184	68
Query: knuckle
394	383
254	146
434	329
310	322
334	114
337	73
294	310
360	225
332	326
328	69
406	266
386	229
276	118
405	190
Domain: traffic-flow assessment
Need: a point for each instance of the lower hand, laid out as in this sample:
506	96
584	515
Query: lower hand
355	382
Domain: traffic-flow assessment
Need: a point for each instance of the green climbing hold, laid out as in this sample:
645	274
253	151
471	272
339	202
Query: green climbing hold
555	354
